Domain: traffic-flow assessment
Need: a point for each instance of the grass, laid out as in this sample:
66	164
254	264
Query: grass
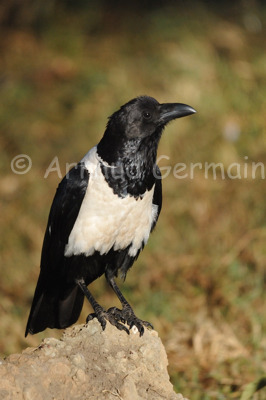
201	278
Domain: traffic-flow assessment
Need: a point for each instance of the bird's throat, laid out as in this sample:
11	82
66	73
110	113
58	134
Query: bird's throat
129	169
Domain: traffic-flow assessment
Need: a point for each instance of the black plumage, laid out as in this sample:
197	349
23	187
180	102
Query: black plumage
101	217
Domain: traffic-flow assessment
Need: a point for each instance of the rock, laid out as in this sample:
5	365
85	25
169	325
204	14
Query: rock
88	363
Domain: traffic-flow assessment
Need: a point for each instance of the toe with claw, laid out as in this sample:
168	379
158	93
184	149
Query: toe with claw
104	316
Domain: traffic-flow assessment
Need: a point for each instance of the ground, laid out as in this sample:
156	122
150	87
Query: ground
88	363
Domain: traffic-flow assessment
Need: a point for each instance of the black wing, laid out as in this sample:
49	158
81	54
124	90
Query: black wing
55	304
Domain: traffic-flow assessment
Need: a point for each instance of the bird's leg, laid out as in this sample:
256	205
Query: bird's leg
126	314
99	312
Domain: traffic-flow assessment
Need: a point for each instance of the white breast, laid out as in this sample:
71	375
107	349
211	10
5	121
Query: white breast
105	220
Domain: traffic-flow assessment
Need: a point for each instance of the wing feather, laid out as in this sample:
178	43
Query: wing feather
55	304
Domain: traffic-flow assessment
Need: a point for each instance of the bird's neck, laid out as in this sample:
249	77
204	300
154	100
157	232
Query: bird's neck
132	163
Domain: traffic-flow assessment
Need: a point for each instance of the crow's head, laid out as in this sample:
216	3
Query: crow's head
138	125
144	116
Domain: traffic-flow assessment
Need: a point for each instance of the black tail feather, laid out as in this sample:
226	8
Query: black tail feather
54	310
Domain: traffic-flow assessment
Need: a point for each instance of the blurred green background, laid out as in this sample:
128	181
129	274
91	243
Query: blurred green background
65	67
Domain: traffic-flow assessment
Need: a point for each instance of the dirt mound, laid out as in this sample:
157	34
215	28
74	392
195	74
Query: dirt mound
89	364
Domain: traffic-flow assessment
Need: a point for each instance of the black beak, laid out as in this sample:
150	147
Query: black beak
169	111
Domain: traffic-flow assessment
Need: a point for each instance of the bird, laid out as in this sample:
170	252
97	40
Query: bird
101	218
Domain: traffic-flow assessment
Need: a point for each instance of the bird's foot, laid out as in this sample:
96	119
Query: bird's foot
102	315
127	315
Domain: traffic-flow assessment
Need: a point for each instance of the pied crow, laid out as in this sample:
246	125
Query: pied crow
101	217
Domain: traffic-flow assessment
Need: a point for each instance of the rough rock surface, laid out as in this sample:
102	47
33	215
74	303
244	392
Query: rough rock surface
89	364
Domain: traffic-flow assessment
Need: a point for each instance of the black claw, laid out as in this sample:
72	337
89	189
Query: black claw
122	327
102	322
132	323
117	313
90	317
113	315
138	325
130	318
147	324
119	317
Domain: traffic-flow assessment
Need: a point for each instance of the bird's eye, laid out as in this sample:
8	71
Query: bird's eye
146	115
